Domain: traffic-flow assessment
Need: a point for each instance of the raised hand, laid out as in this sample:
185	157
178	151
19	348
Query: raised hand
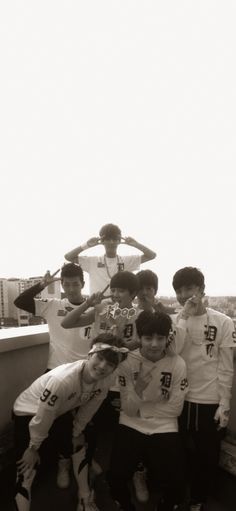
129	241
143	380
96	298
93	242
48	278
193	306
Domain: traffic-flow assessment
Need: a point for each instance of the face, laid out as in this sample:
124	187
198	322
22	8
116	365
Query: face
153	346
146	296
111	245
98	367
186	292
72	287
122	296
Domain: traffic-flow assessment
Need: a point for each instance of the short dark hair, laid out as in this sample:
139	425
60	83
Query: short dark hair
111	356
149	323
188	276
110	231
125	280
72	270
147	278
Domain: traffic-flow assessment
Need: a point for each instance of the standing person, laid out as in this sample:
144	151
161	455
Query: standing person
102	268
209	359
64	346
42	415
152	386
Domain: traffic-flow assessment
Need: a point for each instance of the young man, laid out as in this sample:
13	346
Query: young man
64	346
209	359
152	386
101	269
117	317
42	414
148	286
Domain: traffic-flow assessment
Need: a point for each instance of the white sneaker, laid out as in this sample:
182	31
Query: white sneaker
196	507
139	482
87	503
63	473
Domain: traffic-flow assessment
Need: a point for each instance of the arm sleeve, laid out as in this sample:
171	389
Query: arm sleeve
87	411
47	412
225	363
25	300
130	401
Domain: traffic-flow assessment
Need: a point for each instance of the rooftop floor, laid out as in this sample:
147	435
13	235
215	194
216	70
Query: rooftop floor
47	496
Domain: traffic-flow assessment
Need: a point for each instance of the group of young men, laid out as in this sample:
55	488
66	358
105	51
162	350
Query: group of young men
118	364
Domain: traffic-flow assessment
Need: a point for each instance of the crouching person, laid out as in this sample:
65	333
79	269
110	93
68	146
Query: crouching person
42	413
152	386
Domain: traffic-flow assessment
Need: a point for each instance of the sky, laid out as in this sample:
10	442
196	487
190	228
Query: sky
122	112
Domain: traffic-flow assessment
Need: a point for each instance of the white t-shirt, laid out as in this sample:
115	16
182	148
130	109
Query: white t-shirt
66	345
209	357
162	400
101	269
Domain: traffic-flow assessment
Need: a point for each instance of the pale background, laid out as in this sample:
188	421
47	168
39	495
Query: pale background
123	112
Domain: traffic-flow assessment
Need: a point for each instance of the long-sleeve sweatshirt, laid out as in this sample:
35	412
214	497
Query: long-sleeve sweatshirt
162	400
55	393
208	353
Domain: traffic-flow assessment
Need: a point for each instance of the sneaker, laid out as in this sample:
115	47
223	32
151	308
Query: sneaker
139	482
87	503
63	473
196	507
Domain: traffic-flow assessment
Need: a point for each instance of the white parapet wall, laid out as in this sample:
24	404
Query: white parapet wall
23	357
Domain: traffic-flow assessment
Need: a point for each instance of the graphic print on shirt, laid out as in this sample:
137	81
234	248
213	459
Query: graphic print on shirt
165	380
210	333
46	396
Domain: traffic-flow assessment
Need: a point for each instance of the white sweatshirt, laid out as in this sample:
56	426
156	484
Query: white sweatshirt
208	355
55	393
162	400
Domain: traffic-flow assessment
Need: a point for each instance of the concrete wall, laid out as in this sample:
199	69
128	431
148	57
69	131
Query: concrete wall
23	357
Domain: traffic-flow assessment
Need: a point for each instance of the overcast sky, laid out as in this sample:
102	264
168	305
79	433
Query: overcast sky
123	112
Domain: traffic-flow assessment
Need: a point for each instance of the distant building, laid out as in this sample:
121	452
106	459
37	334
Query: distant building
10	315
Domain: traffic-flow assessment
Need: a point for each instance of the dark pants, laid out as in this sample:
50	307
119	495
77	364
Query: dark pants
161	454
100	431
202	445
59	437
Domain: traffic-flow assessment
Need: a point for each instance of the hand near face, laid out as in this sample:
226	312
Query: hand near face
193	305
143	380
93	242
129	241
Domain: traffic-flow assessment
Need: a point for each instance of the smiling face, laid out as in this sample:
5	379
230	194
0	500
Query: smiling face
97	367
72	287
186	292
153	346
122	297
